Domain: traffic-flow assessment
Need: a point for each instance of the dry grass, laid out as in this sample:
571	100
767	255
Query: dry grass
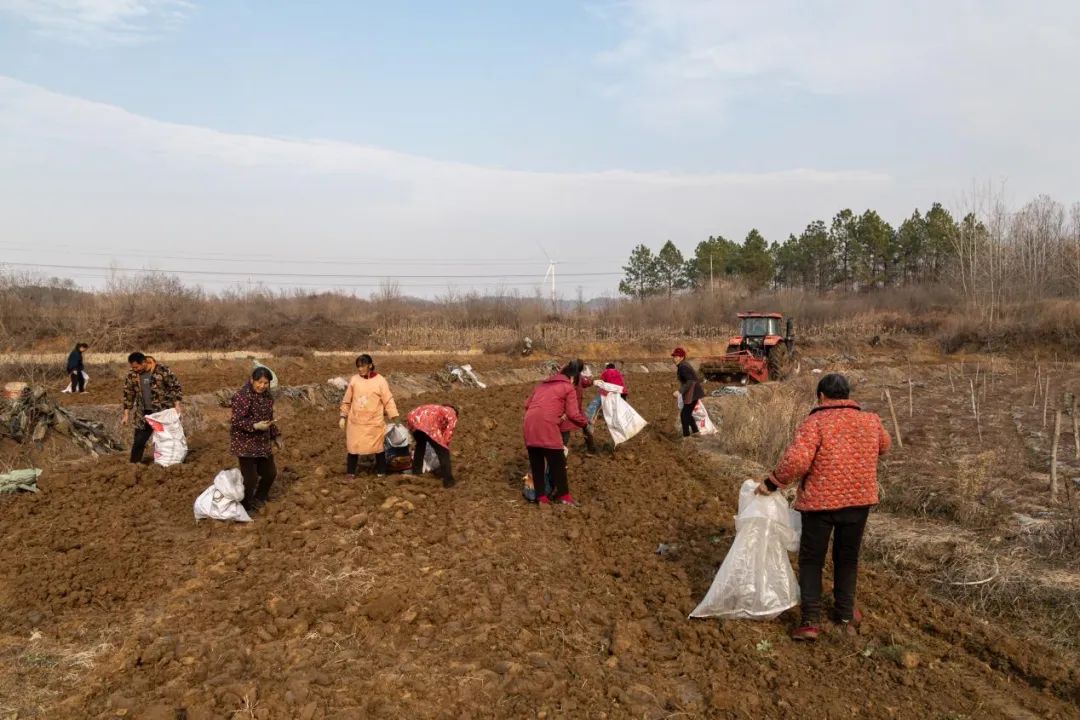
994	579
965	493
160	312
759	426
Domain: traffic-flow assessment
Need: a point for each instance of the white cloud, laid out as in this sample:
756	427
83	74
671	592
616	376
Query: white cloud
76	169
692	58
96	22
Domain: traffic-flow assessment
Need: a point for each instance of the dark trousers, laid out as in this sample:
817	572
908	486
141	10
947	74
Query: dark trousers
846	528
138	443
686	415
78	383
540	460
353	461
259	474
422	441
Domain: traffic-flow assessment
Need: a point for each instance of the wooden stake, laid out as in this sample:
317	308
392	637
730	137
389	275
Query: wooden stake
1076	428
1046	399
1053	457
896	425
1038	389
910	398
952	385
975	410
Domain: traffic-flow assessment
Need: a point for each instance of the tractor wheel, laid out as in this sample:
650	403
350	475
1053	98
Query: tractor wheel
780	362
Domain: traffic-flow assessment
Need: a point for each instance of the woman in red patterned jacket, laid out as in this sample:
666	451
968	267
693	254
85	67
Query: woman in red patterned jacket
434	425
833	461
252	434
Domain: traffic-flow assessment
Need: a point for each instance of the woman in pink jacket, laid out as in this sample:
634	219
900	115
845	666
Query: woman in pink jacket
553	401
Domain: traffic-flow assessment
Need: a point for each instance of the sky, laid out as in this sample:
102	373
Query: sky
467	145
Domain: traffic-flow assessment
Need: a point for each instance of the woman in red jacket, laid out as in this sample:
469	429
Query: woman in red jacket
833	462
553	400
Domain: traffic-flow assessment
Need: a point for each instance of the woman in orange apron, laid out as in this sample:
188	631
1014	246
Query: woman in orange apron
364	409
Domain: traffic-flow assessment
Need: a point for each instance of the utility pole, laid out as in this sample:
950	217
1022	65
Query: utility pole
712	287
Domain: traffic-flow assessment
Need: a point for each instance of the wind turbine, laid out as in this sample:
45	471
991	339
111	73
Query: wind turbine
551	273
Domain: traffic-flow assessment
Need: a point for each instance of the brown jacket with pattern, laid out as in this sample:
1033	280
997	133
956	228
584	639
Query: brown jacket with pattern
165	391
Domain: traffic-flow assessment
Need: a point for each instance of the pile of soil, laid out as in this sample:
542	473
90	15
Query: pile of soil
393	597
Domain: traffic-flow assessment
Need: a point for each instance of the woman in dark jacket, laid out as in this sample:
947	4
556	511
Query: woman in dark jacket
553	400
690	391
75	368
253	435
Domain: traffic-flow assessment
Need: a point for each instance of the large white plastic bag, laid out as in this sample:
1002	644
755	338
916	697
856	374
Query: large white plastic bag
704	422
85	379
396	435
622	420
170	444
221	501
755	581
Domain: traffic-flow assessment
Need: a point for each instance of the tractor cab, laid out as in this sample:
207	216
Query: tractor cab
759	331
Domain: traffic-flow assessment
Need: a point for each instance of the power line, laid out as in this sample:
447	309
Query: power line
389	276
262	258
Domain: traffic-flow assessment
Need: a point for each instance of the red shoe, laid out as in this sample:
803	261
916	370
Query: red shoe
567	499
544	500
807	633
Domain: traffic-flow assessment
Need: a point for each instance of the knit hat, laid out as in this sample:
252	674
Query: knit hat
678	352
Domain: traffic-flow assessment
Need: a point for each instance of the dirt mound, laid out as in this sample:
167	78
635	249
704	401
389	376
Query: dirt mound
394	598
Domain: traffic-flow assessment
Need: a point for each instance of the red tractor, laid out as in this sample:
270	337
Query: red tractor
758	355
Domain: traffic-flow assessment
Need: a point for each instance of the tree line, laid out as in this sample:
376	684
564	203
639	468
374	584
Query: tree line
989	252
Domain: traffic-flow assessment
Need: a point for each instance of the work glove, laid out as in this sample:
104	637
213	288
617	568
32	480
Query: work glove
341	423
262	425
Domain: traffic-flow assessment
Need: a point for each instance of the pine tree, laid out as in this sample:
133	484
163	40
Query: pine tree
753	262
641	279
671	269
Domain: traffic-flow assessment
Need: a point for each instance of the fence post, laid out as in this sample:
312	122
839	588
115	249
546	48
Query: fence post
896	425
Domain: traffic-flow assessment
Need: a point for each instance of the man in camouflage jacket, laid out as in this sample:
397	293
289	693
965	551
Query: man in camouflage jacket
149	388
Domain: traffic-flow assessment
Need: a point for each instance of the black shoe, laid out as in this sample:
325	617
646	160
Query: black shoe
449	482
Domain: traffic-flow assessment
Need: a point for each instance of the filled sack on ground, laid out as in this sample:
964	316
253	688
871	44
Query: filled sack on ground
170	444
755	581
221	501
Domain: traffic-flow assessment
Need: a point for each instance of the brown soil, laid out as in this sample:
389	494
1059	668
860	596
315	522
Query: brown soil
395	598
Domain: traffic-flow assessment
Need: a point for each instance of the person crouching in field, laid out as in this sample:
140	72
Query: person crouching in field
434	425
611	376
150	387
552	401
833	460
364	409
252	435
75	368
